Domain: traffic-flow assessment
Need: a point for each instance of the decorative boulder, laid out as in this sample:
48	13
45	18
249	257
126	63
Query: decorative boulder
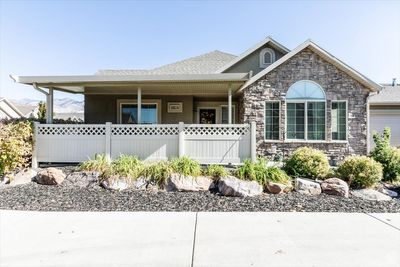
83	179
277	188
116	183
140	183
370	194
50	176
234	187
388	192
307	187
23	177
179	182
335	186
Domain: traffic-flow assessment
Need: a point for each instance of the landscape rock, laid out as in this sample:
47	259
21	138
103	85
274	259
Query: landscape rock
5	180
50	176
307	187
370	194
116	182
140	183
83	179
232	186
388	192
23	177
179	182
335	186
277	188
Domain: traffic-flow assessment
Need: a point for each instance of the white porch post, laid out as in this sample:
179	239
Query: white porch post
230	105
49	106
139	105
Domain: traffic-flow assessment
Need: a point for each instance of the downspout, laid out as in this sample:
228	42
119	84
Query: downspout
368	130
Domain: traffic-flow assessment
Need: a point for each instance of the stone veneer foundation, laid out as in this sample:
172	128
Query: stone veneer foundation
307	65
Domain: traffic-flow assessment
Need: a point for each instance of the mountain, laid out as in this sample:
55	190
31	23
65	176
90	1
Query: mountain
61	105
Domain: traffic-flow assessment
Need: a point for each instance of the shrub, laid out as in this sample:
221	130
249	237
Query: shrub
186	166
16	144
216	171
360	171
387	155
100	163
308	162
126	166
157	172
258	171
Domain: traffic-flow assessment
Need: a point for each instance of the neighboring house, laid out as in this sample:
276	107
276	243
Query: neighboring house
299	97
8	110
385	112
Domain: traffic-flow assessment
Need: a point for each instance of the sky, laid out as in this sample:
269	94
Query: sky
80	37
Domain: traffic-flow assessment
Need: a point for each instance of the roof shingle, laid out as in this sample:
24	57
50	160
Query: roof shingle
203	64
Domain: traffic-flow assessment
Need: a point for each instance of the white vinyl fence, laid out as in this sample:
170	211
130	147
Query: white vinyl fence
70	143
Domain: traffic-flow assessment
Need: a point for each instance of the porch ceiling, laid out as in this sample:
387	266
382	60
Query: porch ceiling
188	84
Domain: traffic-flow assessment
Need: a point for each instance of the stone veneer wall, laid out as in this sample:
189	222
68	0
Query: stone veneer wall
307	65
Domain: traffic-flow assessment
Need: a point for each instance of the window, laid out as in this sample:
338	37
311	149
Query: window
272	109
339	119
224	114
129	113
305	114
267	57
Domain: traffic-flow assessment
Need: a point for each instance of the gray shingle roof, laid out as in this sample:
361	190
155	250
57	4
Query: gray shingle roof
203	64
388	95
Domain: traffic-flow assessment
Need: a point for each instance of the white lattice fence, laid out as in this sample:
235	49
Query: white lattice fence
150	142
217	143
206	143
68	143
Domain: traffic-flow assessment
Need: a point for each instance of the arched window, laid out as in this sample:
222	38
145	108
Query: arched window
305	112
267	57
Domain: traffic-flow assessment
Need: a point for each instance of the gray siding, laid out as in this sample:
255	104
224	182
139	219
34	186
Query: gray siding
103	108
252	62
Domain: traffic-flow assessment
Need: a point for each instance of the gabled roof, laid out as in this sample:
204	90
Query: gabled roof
389	95
267	40
203	64
325	55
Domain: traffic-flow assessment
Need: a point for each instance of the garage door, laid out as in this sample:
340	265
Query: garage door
379	119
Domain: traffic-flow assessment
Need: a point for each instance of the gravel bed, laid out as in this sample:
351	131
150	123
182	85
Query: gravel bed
37	197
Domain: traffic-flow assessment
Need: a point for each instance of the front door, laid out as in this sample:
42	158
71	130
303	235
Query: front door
207	115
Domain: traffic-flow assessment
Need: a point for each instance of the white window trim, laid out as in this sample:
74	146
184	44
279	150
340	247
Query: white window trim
264	64
347	121
121	102
280	117
305	139
233	115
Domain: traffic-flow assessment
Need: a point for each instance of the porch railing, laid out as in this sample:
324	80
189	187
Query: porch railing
70	143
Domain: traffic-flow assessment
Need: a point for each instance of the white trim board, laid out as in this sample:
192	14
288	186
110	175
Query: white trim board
267	40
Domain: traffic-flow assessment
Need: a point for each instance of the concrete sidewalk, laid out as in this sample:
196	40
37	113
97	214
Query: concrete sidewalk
198	239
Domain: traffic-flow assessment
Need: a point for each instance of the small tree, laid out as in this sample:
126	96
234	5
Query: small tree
41	110
387	155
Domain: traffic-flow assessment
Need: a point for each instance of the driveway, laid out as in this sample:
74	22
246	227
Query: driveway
198	239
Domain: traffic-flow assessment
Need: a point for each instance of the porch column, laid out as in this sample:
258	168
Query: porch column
49	106
230	105
139	105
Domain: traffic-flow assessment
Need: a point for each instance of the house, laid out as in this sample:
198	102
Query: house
385	111
8	110
293	98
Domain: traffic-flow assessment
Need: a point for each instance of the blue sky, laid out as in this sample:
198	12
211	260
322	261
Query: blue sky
80	37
